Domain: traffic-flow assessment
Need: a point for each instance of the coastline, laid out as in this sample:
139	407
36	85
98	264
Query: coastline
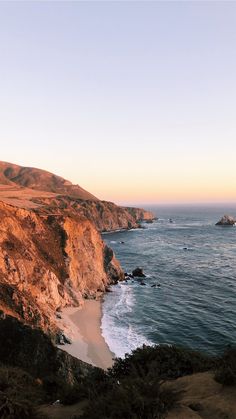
83	327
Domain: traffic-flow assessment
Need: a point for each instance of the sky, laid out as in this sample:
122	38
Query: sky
135	101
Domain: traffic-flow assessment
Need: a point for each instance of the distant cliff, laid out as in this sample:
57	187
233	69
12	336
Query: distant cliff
110	217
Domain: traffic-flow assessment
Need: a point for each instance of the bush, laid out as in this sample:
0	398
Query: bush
134	398
11	408
19	392
226	368
96	382
15	383
168	362
71	394
132	389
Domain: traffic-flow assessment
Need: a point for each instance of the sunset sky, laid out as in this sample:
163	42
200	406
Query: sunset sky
135	101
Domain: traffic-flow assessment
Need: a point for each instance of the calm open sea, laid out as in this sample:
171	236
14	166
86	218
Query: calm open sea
195	304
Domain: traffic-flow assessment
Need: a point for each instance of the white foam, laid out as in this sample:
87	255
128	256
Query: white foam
120	335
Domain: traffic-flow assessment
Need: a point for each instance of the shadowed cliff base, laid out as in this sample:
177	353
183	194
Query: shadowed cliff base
152	382
52	254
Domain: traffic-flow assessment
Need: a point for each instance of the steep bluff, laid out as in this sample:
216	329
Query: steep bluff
48	262
51	251
108	216
28	187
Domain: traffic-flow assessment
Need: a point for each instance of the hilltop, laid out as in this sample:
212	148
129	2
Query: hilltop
49	194
51	252
40	180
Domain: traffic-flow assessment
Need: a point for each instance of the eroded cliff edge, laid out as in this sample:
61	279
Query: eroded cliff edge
106	216
51	251
48	262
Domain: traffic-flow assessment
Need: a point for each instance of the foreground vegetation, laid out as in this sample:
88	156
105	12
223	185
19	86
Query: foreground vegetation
133	388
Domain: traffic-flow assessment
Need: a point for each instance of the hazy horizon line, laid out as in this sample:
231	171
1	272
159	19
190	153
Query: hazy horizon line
187	204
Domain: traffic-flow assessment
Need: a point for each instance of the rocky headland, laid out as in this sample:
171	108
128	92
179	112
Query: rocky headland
52	254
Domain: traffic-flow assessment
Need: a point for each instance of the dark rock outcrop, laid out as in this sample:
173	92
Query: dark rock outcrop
32	350
226	220
138	272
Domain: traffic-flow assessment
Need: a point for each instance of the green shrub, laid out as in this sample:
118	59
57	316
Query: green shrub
71	394
12	408
132	389
168	362
15	383
135	398
226	368
19	393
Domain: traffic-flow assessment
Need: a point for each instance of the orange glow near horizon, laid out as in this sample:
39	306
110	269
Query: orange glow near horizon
155	192
177	183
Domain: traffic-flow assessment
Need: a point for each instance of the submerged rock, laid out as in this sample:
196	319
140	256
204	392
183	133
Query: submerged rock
138	272
226	220
128	275
148	221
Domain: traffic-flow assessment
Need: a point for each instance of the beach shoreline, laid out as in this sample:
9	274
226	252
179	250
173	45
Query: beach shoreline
82	325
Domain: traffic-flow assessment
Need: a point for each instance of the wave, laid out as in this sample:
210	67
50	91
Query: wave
120	335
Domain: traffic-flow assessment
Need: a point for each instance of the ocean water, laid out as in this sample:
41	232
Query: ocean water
194	262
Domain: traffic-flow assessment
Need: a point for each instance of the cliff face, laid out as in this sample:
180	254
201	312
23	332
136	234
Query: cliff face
109	217
48	262
51	251
28	187
21	341
140	214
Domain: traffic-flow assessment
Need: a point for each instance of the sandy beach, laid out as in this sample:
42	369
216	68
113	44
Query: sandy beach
83	326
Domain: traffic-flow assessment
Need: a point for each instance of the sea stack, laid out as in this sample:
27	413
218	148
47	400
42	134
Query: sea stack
226	220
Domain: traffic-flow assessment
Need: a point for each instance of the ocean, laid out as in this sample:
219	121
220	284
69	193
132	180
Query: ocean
194	262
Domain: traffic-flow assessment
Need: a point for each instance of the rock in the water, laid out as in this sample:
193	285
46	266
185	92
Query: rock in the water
128	276
138	272
226	220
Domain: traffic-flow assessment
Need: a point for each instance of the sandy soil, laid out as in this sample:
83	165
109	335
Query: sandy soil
83	327
58	411
202	397
22	197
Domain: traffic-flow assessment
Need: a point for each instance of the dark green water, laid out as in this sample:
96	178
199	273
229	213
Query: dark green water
195	264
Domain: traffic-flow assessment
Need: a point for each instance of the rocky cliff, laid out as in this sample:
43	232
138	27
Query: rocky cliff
106	216
31	188
51	251
48	262
226	220
110	217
